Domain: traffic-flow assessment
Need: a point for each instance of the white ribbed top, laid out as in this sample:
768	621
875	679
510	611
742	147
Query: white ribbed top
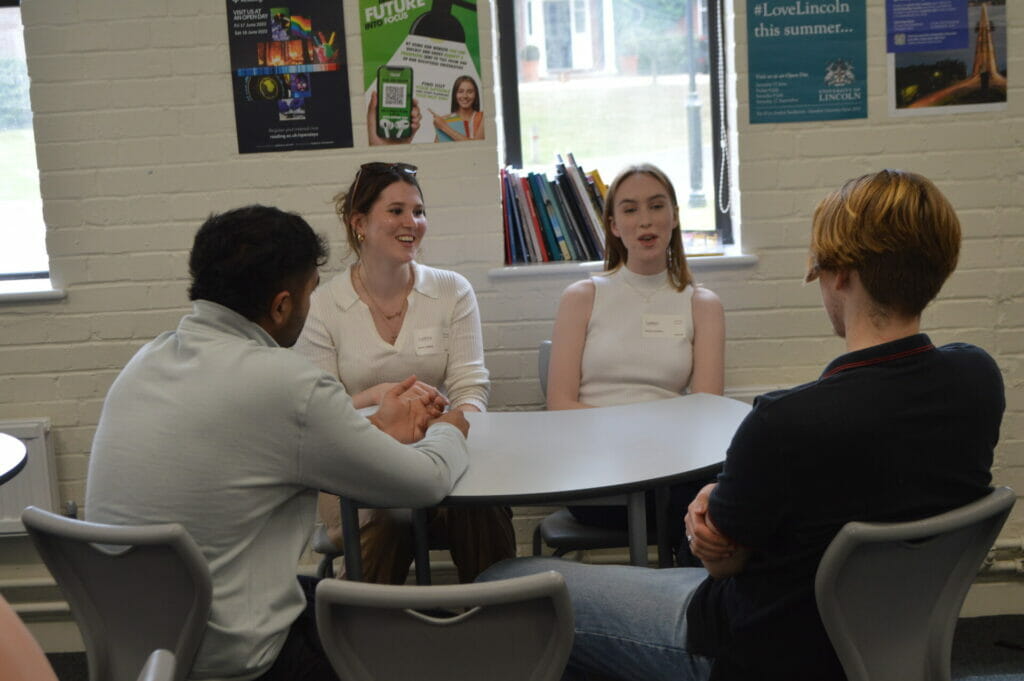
621	363
340	337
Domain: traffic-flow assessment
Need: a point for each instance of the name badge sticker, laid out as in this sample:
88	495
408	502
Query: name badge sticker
431	341
663	326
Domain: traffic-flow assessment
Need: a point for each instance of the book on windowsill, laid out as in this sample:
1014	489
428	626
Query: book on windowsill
552	218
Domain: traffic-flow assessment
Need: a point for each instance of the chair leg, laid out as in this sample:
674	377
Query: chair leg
536	540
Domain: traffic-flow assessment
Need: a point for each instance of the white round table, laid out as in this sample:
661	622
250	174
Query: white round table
551	457
12	457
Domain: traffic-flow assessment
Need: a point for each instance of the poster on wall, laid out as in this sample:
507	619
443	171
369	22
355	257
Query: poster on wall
421	61
946	56
807	60
289	75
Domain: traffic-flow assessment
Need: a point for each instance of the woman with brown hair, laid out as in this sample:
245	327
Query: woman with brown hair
383	319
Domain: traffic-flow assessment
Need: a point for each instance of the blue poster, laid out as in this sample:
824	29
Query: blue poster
914	26
946	56
807	60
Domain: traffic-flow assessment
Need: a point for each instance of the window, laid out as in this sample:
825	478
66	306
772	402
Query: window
23	261
618	82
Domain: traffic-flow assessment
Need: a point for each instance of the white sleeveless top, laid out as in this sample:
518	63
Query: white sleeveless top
639	344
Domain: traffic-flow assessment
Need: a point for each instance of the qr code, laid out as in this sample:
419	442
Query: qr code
394	95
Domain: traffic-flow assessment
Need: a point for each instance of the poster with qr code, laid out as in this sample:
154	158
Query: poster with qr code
946	56
290	75
807	60
421	72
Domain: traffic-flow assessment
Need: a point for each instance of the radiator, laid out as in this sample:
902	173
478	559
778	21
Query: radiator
36	484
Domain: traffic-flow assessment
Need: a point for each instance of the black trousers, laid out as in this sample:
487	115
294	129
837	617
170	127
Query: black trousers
302	658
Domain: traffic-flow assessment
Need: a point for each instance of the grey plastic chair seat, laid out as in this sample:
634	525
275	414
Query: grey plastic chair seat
889	594
132	590
563	533
508	630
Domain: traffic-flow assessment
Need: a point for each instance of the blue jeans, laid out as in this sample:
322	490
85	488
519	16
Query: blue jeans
630	621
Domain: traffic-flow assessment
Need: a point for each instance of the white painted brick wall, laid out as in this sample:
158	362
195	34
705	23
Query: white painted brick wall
136	146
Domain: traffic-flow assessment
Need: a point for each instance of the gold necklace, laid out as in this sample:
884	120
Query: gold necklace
376	307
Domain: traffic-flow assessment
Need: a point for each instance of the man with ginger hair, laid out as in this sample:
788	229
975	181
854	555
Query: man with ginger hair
895	429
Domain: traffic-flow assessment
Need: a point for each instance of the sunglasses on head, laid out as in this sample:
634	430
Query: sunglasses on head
380	168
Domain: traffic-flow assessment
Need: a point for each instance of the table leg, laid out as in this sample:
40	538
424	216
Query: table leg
636	514
350	538
661	496
422	546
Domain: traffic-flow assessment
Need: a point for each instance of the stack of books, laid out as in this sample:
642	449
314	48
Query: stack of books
551	220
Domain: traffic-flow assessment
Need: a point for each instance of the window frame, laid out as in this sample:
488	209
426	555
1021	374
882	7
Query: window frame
508	91
23	275
19	287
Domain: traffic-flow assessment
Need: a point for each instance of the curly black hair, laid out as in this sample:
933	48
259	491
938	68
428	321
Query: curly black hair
244	257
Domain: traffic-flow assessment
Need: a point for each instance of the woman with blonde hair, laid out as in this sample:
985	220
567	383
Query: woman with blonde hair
641	330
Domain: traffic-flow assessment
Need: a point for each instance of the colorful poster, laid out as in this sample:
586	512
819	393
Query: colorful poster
807	60
946	56
289	74
421	71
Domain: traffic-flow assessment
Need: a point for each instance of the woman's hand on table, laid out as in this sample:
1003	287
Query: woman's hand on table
454	417
431	397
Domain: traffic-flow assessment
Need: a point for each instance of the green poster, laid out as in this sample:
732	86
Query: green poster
421	71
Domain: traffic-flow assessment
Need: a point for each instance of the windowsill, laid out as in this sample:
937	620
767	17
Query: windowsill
697	263
29	291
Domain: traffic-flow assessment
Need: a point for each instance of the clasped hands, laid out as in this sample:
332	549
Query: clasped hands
706	542
408	408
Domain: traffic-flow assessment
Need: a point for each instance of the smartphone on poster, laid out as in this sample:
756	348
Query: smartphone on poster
394	102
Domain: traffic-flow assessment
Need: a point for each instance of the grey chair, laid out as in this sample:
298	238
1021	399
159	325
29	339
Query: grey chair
322	544
132	589
560	530
508	630
889	594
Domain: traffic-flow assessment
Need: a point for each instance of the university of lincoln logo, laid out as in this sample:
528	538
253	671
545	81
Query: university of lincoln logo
838	73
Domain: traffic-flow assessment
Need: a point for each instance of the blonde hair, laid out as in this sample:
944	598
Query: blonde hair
896	230
615	254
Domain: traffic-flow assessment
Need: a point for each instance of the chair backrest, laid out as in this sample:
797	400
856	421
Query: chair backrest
889	594
132	589
511	630
543	359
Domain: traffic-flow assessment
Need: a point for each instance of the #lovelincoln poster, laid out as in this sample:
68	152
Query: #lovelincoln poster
807	60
